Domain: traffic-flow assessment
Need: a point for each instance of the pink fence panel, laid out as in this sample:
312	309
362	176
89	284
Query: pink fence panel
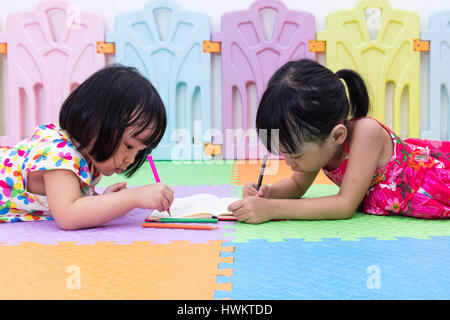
249	59
51	50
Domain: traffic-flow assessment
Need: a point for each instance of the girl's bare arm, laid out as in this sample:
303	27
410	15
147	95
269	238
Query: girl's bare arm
72	211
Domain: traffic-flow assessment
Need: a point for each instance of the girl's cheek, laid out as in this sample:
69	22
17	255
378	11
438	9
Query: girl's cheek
114	159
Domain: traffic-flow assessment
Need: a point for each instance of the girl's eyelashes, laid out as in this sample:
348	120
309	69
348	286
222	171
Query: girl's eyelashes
293	156
297	155
128	146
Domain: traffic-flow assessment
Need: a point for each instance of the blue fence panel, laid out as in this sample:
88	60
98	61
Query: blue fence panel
178	68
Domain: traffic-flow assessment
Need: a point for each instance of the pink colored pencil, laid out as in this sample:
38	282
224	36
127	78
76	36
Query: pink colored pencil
155	173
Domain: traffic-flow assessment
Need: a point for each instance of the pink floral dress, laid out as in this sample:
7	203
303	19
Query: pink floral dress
415	182
49	148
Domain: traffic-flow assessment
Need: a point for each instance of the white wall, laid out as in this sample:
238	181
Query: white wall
214	9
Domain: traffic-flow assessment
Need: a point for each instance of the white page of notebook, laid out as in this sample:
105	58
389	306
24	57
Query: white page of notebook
198	203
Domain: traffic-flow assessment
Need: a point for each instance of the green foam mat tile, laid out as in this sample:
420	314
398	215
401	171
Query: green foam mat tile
316	190
359	226
188	173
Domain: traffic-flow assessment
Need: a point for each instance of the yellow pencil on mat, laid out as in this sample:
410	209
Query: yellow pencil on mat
155	173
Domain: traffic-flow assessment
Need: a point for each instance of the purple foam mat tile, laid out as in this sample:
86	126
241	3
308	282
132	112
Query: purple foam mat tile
185	191
123	230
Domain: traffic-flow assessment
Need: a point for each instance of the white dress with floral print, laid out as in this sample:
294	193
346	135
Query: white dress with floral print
49	148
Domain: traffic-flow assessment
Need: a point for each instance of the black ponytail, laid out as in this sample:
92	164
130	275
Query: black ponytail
357	91
304	101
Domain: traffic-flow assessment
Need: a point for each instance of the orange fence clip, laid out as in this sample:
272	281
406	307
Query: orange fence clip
211	47
316	46
104	48
3	48
421	45
212	149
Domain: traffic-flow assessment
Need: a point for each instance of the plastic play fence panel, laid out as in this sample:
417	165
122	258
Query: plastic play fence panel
439	76
51	50
250	56
377	41
165	44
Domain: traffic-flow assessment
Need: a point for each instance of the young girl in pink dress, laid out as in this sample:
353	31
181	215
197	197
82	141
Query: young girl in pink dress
320	128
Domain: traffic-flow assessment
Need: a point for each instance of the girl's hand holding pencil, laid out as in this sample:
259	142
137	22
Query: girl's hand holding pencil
253	208
157	196
155	174
250	190
259	189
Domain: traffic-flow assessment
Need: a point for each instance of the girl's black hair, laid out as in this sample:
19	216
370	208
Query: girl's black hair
305	101
110	100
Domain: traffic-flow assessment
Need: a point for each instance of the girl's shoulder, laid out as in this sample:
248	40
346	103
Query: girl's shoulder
49	131
51	139
367	123
51	148
50	136
369	131
369	128
47	136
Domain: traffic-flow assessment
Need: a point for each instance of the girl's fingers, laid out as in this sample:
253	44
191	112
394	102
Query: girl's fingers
116	187
240	212
170	196
240	215
168	193
235	206
168	199
122	185
262	190
165	204
251	189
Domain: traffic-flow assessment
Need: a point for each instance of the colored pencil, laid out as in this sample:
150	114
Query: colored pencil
233	218
261	173
226	218
188	220
155	172
177	226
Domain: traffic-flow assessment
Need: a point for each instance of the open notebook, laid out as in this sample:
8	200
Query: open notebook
198	206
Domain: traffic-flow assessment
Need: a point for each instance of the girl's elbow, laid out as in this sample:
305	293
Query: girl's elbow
64	223
347	210
346	215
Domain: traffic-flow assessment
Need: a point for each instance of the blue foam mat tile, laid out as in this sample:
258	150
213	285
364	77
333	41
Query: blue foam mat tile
222	279
221	295
333	269
226	254
225	265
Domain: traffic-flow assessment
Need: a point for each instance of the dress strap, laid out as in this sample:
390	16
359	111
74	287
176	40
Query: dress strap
346	147
381	124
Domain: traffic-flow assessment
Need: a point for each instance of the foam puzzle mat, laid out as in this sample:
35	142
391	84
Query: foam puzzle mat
334	269
142	270
366	257
123	230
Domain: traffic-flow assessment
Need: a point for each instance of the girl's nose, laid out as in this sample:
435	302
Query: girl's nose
129	159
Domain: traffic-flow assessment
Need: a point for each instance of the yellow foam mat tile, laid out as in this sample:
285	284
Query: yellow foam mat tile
142	270
248	171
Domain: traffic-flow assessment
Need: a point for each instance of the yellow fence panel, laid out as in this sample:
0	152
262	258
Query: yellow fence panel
377	41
